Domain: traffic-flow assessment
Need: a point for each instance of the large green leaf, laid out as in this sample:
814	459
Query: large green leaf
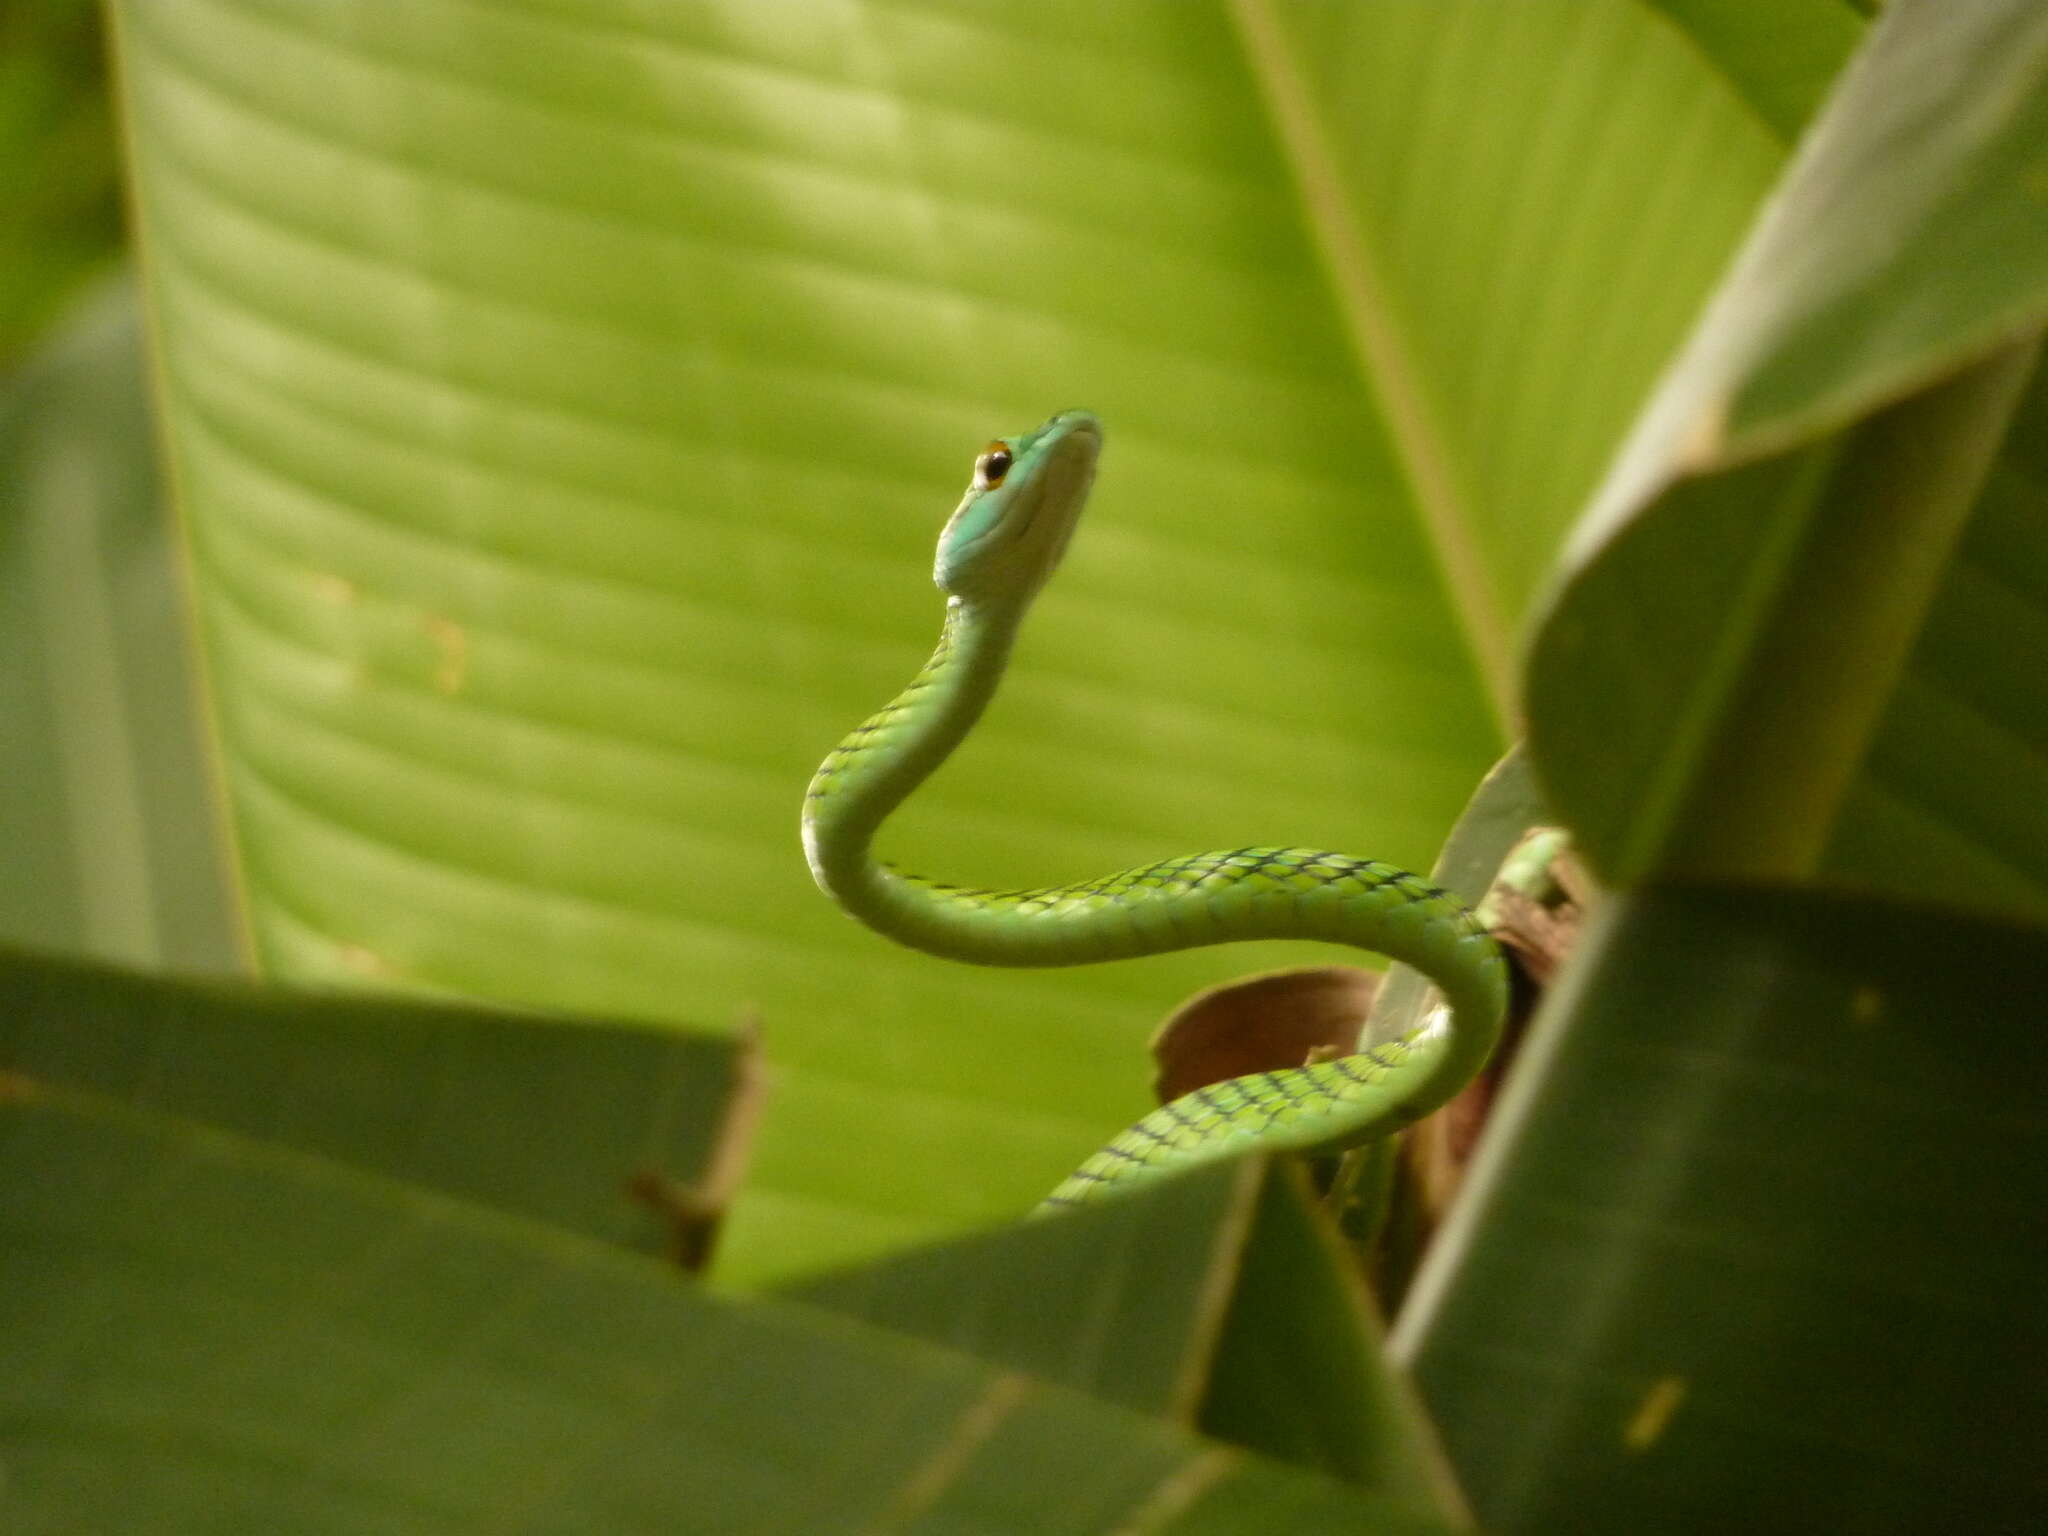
112	827
1949	798
1300	1372
1519	208
563	398
600	1129
1785	640
1747	1243
1755	1240
301	1262
1124	1301
1221	1299
208	1333
1740	685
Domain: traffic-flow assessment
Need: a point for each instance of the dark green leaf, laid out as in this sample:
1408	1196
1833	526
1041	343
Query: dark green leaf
1734	637
1219	1298
1948	802
1705	695
586	1126
1755	1241
205	1334
1123	1300
1300	1373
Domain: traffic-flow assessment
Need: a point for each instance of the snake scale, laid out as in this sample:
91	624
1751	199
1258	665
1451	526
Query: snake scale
995	553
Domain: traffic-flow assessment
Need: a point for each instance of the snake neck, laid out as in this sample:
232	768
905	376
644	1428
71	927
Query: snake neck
1179	903
884	758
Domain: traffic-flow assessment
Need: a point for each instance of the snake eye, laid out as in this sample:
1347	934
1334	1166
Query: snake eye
993	464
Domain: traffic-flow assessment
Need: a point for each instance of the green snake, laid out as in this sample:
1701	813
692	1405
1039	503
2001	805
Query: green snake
996	551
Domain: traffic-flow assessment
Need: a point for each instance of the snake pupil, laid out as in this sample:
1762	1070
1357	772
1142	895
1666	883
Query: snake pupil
993	465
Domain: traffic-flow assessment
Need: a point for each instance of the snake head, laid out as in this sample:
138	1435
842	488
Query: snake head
1012	525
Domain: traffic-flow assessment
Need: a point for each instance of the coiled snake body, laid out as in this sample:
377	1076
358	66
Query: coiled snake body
997	550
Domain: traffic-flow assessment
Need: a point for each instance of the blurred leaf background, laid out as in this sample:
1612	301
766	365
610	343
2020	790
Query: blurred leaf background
63	175
555	403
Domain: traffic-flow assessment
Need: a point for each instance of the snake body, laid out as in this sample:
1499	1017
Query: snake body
997	550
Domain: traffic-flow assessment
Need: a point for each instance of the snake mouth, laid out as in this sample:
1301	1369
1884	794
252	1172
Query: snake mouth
1058	478
1061	472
